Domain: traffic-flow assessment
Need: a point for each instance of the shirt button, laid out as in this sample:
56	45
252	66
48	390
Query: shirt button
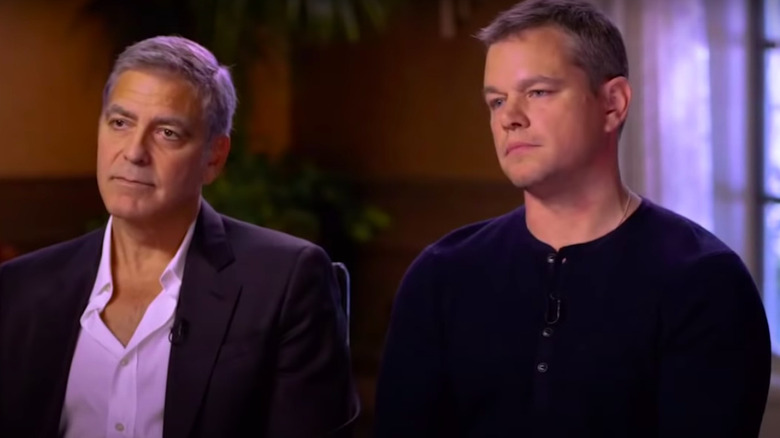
123	362
120	427
547	332
542	367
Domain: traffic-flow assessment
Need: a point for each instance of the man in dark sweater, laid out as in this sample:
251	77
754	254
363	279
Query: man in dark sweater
589	311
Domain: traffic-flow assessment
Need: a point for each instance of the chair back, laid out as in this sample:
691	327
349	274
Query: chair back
342	277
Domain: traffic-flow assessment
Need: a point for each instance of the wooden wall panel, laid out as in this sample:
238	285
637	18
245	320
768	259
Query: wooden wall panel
39	212
407	104
52	70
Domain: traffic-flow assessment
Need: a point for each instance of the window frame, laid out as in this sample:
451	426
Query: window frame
760	43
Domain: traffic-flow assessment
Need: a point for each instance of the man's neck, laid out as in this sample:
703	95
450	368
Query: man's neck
579	213
141	247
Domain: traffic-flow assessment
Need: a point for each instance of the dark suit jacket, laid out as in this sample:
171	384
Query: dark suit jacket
263	353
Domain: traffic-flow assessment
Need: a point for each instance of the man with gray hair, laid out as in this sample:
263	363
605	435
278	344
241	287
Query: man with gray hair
589	311
173	320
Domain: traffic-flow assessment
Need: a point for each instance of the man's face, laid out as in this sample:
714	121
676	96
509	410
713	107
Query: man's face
547	122
152	155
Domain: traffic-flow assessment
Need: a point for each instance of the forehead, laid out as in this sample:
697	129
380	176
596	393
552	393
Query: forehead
155	91
537	51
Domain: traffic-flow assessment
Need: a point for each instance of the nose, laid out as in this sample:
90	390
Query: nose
137	151
514	115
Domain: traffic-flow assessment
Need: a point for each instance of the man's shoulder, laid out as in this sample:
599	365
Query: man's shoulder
43	260
249	239
683	249
703	280
676	238
477	239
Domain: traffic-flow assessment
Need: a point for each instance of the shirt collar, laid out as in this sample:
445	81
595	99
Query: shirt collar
104	279
174	272
172	275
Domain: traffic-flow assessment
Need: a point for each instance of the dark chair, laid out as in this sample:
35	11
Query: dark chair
342	276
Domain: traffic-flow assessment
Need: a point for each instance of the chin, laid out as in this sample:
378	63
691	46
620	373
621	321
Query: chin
526	174
130	211
522	184
523	180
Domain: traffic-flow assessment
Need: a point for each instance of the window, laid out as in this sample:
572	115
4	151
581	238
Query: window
770	175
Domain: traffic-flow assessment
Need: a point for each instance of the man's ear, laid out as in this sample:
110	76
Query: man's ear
617	98
216	156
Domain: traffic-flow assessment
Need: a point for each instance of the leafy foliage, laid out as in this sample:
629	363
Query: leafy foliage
227	27
294	196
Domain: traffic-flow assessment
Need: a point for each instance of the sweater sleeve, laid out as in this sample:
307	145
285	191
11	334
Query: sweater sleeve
410	400
715	352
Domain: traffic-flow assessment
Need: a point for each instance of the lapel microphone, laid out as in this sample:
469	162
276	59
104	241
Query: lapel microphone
552	314
178	331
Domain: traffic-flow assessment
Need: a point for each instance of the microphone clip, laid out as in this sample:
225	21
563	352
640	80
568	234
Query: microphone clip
178	332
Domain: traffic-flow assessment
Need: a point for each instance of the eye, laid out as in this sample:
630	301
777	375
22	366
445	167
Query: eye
170	134
495	103
117	123
539	93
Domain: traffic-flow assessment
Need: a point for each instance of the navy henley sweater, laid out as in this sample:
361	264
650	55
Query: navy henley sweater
654	330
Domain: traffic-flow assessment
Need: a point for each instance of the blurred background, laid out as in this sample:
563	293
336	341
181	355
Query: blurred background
361	127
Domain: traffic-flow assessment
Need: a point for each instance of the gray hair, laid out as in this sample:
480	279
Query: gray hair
192	62
598	46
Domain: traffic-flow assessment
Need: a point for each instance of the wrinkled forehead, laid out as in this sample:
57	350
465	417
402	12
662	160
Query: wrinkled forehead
152	97
184	84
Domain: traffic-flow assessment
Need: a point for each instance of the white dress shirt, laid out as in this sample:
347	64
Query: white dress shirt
117	391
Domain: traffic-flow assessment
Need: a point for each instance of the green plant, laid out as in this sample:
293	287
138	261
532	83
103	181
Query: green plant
283	193
229	27
295	196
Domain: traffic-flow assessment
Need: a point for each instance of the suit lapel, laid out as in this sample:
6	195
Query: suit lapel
206	303
59	327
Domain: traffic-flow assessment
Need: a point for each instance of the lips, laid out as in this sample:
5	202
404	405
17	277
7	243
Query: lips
519	147
132	181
